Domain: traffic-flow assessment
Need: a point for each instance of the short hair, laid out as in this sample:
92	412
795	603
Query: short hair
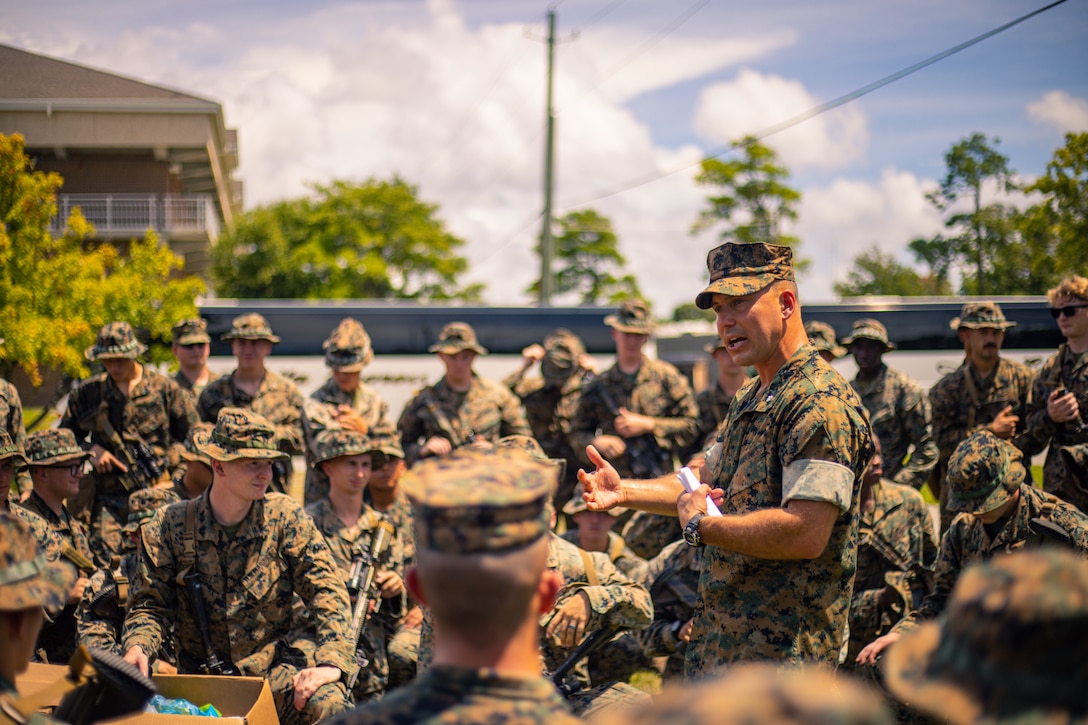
1072	286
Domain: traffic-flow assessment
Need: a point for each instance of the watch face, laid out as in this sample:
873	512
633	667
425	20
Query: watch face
691	533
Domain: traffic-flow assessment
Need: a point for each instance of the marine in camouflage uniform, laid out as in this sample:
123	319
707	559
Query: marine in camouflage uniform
11	423
798	443
898	408
11	458
822	336
194	473
550	400
714	402
252	573
1004	651
355	543
191	346
469	410
343	402
482	525
155	411
276	399
968	398
897	549
649	389
673	580
998	513
100	616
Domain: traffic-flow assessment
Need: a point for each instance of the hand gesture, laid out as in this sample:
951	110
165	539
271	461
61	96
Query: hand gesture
603	487
1004	425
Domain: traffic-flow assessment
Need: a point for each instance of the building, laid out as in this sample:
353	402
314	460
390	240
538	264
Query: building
134	156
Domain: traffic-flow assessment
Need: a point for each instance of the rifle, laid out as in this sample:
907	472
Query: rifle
144	468
917	577
361	582
194	588
595	641
446	426
645	457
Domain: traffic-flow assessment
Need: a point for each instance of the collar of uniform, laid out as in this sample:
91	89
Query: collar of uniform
883	502
207	528
755	400
443	391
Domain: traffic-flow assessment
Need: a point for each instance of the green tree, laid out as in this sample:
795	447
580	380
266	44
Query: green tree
879	273
56	291
754	196
970	164
371	240
591	265
690	311
1062	217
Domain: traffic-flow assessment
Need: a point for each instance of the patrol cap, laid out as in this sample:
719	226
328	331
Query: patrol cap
822	336
53	447
348	349
26	578
455	337
983	473
633	317
741	269
1005	650
763	694
143	504
563	351
9	448
476	501
250	326
190	452
869	329
239	433
332	444
114	340
190	332
981	315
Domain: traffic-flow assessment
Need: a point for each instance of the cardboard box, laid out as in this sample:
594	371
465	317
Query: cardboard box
241	700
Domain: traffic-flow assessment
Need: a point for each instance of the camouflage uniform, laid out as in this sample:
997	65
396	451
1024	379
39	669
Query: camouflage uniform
785	610
11	422
897	548
47	540
57	639
190	454
983	475
713	404
474	504
251	576
1061	475
898	412
156	412
1004	651
657	390
630	564
191	332
673	580
487	410
823	338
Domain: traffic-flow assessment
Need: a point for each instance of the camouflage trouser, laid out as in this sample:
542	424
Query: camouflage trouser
403	654
618	660
326	702
647	534
108	515
589	704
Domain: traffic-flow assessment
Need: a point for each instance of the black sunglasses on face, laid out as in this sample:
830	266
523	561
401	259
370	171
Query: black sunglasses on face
1068	310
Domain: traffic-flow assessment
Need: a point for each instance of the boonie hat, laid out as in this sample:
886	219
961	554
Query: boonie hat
53	447
190	332
981	315
455	337
632	317
250	326
869	329
822	336
143	504
26	578
563	351
239	433
115	339
1004	651
332	444
9	448
475	501
983	473
742	269
189	451
348	349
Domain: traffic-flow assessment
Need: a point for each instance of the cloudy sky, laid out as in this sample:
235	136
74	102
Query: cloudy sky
449	94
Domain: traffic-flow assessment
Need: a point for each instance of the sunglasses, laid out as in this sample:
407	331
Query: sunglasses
1068	310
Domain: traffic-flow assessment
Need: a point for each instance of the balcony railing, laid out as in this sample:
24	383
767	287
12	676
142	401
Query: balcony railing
134	214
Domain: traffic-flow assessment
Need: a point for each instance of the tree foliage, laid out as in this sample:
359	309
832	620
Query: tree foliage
590	262
1059	225
371	240
879	273
753	196
56	291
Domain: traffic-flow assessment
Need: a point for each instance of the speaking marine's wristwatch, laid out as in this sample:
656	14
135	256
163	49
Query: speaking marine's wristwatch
691	531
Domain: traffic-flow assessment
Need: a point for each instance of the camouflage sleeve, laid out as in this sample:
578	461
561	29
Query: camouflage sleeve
1039	428
99	618
824	427
513	415
917	422
286	417
321	586
678	426
1024	439
945	573
947	430
77	413
660	638
181	415
410	426
212	398
589	416
153	601
1070	518
865	610
617	602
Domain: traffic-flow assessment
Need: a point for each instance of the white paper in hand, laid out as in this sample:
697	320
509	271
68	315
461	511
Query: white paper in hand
690	483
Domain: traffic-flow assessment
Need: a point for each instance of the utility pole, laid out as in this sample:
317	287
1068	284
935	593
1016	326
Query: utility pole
547	243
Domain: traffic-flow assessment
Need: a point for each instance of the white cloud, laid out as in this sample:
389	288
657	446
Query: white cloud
1060	110
753	101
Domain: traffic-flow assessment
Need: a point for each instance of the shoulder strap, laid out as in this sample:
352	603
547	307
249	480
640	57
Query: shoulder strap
591	570
120	580
188	541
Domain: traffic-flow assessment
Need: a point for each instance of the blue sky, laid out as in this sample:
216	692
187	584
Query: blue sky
450	96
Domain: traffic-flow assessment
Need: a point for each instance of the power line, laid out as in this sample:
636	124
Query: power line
822	108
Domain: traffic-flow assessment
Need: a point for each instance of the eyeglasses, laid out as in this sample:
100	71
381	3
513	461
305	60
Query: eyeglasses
74	469
1068	310
193	345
